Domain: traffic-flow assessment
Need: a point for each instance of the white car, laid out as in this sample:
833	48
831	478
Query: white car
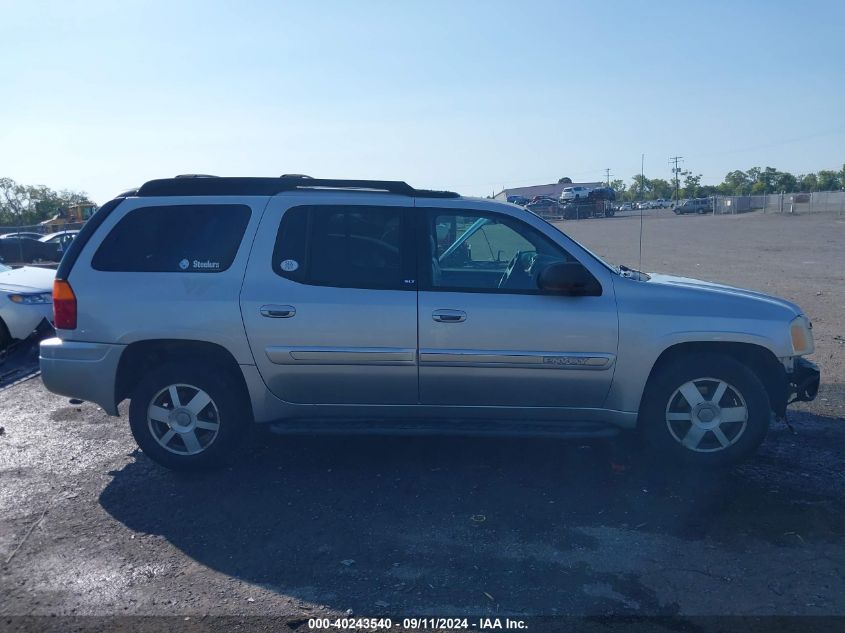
26	299
61	239
574	193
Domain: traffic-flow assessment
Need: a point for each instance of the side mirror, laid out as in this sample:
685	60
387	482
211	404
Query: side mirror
569	278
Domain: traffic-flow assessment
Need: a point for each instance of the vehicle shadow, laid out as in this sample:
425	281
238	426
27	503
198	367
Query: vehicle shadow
479	524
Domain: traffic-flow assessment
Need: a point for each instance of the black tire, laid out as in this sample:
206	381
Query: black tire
231	410
677	212
661	395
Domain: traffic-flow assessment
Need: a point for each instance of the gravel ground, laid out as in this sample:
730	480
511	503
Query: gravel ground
304	527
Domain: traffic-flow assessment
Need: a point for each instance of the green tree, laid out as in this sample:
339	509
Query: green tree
619	186
736	183
692	184
641	187
808	182
784	182
661	188
26	205
565	180
828	180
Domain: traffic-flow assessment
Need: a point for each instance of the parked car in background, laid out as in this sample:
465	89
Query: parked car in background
625	206
488	320
602	193
543	205
59	239
570	194
26	300
21	234
661	203
25	250
520	200
695	205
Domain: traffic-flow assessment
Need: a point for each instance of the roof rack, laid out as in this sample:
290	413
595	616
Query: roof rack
197	185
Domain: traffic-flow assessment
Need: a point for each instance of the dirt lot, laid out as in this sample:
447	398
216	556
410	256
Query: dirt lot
306	527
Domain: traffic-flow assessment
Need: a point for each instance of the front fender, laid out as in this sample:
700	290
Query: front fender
638	353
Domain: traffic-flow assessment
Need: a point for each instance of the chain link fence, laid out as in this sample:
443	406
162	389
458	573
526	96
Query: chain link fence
794	203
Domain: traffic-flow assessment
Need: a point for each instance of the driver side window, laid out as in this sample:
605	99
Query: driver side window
481	251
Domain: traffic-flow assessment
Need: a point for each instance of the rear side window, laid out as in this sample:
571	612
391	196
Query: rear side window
345	247
194	238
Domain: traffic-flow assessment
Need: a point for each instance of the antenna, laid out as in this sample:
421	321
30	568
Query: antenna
642	187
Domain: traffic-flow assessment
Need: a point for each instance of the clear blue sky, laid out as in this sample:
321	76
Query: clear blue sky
472	96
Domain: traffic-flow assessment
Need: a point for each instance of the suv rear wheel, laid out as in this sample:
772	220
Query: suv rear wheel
706	409
187	417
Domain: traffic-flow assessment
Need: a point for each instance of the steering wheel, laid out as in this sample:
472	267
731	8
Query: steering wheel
510	277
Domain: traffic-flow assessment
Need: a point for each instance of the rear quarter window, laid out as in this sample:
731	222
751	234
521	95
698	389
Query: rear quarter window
192	238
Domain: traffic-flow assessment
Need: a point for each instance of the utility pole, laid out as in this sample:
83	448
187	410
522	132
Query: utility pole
607	176
676	173
642	183
642	176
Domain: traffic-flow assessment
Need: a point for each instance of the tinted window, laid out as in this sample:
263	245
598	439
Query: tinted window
345	247
180	238
479	251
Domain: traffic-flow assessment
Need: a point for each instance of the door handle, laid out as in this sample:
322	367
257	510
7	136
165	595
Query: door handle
277	312
449	316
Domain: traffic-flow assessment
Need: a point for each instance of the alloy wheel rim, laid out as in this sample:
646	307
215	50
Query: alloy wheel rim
706	415
183	419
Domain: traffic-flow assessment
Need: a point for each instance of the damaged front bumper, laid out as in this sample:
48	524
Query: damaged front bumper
803	381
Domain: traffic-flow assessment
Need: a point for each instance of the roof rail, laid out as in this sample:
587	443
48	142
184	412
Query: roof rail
196	176
240	186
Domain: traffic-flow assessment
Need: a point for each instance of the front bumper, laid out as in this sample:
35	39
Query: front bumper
21	319
81	370
804	381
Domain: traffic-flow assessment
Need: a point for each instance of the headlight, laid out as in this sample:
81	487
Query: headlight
31	299
801	333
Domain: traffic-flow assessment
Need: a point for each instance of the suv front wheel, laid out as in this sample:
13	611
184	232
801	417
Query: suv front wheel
187	417
705	409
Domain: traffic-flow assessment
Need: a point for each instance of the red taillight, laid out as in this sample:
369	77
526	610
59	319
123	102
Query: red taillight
64	305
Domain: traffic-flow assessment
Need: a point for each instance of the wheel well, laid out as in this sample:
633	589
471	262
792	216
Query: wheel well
5	336
141	357
760	360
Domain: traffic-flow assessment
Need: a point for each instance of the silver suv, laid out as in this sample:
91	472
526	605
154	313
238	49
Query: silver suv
695	205
373	307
